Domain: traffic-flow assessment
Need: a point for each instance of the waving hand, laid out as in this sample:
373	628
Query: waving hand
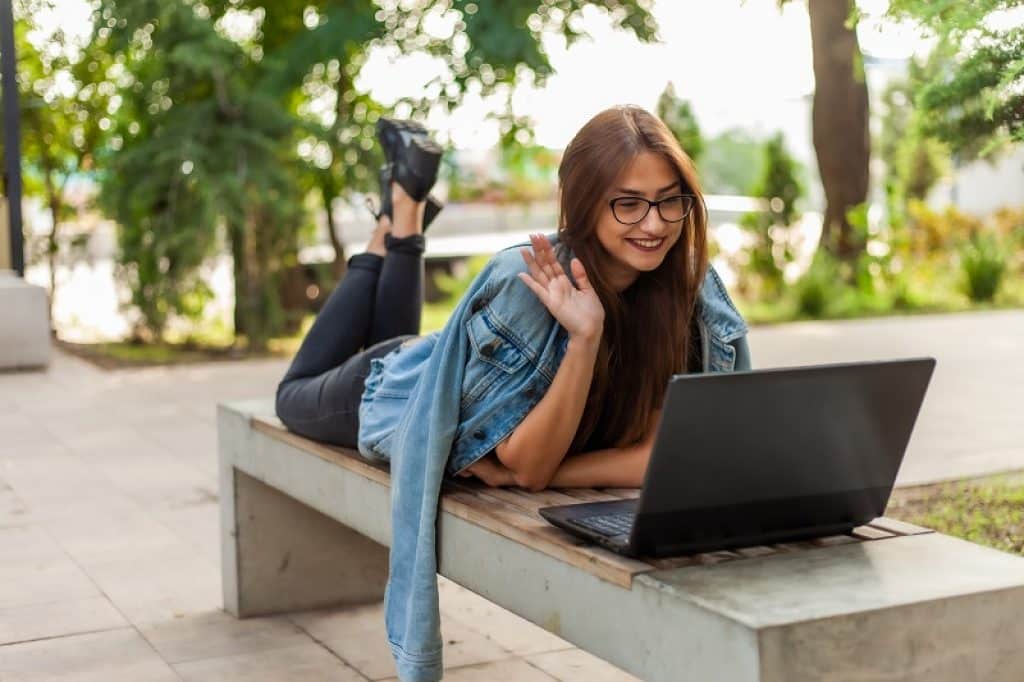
577	308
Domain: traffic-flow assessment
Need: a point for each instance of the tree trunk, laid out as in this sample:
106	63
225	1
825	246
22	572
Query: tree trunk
52	246
338	266
329	186
52	249
236	235
262	285
842	139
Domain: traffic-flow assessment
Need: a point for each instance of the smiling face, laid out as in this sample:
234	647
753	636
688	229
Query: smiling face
642	246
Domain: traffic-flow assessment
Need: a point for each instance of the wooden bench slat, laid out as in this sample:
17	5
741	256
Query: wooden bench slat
545	538
798	546
708	558
517	499
756	550
622	493
870	533
589	495
496	518
669	563
350	459
832	540
548	498
899	527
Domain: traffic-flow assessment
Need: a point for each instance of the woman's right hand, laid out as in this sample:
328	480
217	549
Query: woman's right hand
577	308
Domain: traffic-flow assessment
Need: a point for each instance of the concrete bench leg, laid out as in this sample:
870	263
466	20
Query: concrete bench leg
280	555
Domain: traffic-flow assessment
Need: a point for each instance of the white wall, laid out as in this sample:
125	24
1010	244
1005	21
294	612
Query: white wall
981	187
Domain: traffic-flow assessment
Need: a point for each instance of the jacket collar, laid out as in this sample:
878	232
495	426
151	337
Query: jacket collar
717	311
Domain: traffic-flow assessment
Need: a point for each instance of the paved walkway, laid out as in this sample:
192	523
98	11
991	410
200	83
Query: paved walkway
110	551
972	421
109	517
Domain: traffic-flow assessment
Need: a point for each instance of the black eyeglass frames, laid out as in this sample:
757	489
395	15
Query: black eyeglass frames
631	210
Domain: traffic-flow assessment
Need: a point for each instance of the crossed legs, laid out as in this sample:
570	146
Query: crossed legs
375	307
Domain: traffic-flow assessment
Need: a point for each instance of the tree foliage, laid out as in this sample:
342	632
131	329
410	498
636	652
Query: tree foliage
201	149
914	159
235	110
679	117
63	114
977	102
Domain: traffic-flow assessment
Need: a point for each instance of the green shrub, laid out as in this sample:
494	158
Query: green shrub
900	291
984	263
779	184
818	287
454	286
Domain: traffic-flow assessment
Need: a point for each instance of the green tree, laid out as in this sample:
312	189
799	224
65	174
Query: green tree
976	103
63	116
201	149
231	127
914	159
680	119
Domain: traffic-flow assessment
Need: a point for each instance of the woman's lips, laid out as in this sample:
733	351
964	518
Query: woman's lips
646	245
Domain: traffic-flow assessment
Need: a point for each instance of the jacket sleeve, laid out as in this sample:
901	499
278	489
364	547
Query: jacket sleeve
423	442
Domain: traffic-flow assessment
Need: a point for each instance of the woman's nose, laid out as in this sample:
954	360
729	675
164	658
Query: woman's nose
653	224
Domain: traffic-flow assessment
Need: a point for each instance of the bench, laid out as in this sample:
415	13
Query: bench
305	525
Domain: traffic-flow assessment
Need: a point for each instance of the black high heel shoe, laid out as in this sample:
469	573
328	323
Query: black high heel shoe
429	213
414	159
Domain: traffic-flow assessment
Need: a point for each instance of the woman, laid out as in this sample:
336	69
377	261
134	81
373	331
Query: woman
551	369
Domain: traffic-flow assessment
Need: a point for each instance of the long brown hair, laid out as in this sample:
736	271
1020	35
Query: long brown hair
647	327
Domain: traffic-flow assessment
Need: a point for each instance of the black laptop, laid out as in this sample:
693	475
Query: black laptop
765	456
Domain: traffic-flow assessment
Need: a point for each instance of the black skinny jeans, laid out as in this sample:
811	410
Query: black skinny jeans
375	307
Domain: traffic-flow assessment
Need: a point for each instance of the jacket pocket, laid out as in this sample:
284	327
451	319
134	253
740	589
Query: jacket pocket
493	355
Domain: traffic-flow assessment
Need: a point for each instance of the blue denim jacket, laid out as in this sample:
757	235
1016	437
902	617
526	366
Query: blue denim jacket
437	404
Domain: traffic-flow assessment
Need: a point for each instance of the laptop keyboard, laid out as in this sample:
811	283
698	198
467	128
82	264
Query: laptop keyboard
609	524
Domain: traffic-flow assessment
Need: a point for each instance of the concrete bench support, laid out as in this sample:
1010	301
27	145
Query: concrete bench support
280	555
916	608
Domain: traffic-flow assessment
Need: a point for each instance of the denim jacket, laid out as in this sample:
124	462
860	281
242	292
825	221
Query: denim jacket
439	403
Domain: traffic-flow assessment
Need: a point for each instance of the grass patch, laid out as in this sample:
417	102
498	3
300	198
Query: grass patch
214	347
435	316
988	511
779	312
127	354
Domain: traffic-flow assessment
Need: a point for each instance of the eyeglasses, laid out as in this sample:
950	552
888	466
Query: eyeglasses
631	210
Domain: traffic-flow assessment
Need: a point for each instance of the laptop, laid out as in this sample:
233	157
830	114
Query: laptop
763	456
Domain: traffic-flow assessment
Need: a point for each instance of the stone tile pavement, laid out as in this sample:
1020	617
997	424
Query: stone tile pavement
109	554
109	557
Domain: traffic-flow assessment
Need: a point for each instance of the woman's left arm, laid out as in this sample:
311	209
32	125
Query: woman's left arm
610	468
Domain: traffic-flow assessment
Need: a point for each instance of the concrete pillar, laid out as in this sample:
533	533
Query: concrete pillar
24	323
